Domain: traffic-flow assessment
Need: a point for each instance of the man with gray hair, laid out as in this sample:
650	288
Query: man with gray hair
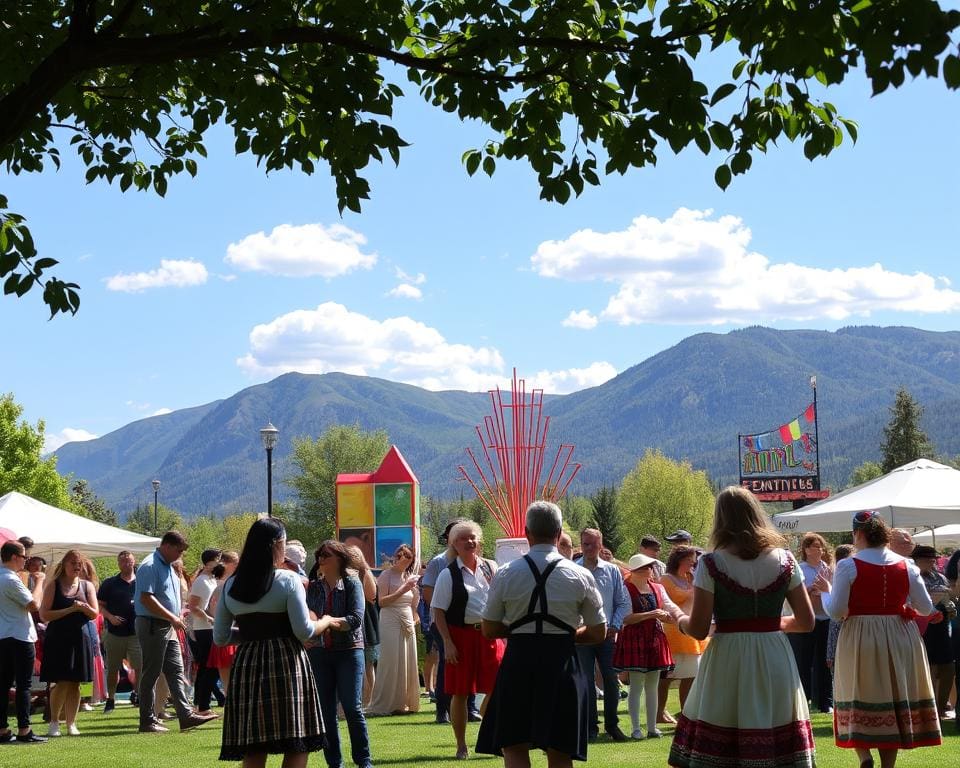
543	604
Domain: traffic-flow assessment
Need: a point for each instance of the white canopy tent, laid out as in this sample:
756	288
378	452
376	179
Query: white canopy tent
920	494
944	536
55	530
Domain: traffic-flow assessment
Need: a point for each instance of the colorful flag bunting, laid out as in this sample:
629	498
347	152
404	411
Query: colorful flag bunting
810	414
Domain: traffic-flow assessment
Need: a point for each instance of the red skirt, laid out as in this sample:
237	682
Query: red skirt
478	661
642	647
221	656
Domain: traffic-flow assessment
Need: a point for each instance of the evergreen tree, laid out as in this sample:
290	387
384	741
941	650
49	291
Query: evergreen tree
903	440
88	504
606	518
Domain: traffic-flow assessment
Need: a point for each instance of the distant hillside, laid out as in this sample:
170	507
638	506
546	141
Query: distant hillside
690	401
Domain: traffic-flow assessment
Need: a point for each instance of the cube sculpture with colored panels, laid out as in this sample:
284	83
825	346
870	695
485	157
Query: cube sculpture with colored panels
379	511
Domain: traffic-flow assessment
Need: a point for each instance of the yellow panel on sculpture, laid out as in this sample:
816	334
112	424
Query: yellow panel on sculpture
355	505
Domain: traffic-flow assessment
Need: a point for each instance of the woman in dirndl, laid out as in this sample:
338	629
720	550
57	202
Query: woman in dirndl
642	649
882	692
746	706
272	704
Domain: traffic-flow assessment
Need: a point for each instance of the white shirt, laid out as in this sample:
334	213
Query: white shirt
477	588
571	591
15	620
837	601
203	587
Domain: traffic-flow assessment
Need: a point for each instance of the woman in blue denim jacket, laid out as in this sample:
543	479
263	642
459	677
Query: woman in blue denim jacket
337	656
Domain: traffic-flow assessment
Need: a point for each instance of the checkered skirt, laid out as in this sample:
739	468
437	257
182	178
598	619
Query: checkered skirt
272	704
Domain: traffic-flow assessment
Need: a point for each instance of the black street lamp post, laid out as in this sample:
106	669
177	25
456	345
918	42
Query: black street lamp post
156	491
269	437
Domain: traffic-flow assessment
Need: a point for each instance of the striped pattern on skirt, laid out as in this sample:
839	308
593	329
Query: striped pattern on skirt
272	703
882	692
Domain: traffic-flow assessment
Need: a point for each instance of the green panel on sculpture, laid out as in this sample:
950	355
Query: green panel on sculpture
394	504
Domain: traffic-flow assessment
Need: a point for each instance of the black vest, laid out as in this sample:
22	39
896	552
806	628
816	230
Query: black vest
455	613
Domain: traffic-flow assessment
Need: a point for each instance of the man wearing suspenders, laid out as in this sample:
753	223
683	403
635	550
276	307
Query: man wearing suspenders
543	604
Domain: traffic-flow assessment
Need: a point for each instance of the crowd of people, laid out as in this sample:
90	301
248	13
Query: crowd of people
751	633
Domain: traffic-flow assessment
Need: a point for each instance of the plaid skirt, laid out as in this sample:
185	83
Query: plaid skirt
272	704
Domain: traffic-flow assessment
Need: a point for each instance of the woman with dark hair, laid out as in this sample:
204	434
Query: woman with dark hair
883	696
810	648
201	630
686	650
221	657
69	603
337	656
272	704
746	705
371	622
397	687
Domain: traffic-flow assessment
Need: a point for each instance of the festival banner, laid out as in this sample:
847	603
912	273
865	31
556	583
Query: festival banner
783	463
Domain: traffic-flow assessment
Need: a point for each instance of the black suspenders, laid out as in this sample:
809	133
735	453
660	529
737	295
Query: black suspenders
539	595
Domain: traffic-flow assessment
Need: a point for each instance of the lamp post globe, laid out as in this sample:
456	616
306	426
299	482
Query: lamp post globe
156	492
268	436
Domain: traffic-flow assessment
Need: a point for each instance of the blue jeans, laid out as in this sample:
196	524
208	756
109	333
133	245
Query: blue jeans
339	676
602	654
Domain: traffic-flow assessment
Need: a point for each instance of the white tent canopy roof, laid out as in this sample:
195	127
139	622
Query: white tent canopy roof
55	530
944	536
921	493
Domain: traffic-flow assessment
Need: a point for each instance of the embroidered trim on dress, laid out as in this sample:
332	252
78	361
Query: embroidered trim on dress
786	572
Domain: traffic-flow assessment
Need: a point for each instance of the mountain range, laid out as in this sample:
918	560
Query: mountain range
690	401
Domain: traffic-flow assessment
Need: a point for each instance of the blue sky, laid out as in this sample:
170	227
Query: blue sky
448	282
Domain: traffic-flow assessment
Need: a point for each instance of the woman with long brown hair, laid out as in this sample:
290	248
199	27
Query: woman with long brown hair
69	602
746	704
397	687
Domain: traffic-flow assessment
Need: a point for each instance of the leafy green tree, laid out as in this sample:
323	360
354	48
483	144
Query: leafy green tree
22	467
866	472
140	520
318	462
574	89
577	513
85	502
605	517
903	440
661	495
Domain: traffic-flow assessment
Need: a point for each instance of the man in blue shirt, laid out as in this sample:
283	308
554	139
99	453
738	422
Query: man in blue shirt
159	616
616	605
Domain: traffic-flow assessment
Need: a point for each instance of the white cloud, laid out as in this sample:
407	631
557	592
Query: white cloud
403	277
332	338
573	379
310	250
406	291
693	269
68	435
582	319
172	273
161	412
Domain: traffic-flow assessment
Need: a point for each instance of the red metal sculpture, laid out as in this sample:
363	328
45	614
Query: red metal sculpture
513	441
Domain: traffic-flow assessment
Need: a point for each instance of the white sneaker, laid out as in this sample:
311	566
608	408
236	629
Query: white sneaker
54	730
73	730
637	735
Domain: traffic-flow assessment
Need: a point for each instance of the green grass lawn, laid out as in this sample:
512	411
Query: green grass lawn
112	741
